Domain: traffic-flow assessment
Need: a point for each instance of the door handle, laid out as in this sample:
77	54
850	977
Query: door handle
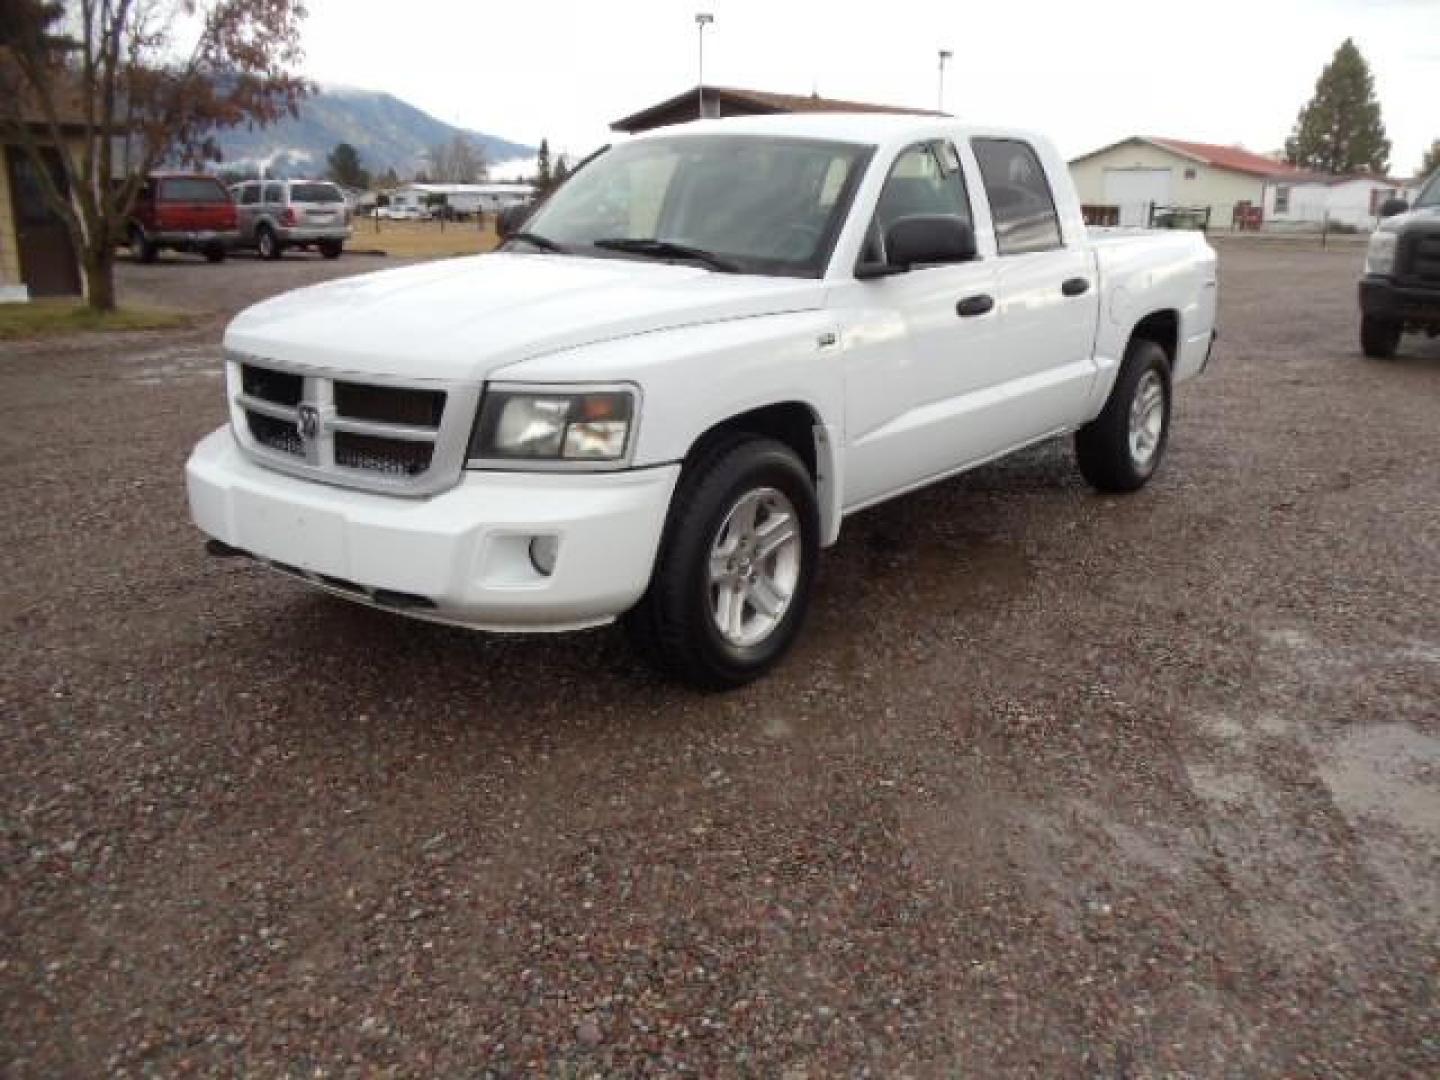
974	305
1075	286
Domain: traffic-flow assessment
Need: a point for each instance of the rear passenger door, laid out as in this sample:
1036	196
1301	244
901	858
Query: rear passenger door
273	203
1047	294
247	203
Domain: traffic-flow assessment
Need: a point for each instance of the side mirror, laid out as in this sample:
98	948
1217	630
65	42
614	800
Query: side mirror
922	240
511	220
1392	206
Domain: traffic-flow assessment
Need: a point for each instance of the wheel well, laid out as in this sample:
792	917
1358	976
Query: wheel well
789	422
1163	328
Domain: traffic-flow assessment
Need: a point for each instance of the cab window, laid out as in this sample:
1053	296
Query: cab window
1019	193
925	180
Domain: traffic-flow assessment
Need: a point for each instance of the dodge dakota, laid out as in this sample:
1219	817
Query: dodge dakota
661	399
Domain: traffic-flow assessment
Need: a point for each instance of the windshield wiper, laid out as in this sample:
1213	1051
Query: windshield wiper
667	249
544	243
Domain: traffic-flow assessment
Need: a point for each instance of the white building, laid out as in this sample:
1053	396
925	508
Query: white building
464	198
1124	182
1348	201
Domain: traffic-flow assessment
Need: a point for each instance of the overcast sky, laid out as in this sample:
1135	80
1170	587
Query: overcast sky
1086	73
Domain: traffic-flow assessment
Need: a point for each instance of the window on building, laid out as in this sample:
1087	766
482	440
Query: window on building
1189	174
1282	198
1020	199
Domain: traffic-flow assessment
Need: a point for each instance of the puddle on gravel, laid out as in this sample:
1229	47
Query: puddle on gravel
1385	779
179	363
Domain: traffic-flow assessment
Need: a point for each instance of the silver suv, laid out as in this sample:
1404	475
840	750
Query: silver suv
278	214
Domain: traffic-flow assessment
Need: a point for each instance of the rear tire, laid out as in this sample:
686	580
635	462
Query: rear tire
267	243
1379	338
732	580
215	253
1122	447
141	248
331	248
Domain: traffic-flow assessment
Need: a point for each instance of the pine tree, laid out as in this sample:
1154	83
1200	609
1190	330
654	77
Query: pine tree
542	167
562	170
1340	130
345	168
1430	162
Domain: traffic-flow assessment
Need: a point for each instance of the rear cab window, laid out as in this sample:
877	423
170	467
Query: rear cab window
192	189
1021	202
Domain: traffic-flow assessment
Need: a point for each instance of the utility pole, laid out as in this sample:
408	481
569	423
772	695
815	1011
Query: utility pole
945	55
702	20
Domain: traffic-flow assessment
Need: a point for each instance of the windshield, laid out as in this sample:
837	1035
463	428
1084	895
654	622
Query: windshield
1430	196
764	205
315	193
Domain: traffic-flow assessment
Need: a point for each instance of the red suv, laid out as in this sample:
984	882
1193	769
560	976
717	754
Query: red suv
184	212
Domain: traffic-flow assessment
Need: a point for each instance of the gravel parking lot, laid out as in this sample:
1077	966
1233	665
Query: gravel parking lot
1055	784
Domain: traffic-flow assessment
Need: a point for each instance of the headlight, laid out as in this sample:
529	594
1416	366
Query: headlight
565	428
1380	255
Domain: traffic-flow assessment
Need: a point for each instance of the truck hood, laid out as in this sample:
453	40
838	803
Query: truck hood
460	319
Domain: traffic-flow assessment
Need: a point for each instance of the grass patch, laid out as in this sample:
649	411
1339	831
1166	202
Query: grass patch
423	239
50	318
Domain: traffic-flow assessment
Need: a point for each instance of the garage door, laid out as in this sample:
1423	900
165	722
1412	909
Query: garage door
1134	190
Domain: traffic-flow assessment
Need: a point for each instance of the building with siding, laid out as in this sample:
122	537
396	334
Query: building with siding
731	101
1128	178
37	257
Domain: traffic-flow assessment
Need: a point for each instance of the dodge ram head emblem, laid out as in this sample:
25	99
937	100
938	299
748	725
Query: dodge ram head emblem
307	421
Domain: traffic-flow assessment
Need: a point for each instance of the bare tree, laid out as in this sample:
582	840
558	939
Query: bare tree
459	161
143	82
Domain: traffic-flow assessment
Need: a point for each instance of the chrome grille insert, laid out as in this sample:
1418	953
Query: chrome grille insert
376	433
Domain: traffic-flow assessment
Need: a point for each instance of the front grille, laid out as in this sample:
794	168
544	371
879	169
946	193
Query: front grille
1418	257
396	457
279	387
278	435
1426	262
390	405
360	434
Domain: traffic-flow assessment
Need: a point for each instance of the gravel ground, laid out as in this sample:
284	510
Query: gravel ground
1055	784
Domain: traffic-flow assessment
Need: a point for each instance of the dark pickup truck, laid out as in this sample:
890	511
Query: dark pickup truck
1400	291
183	212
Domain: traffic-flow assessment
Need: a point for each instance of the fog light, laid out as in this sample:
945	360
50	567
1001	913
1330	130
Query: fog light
543	552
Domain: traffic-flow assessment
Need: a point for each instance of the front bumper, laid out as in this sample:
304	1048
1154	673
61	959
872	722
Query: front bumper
1383	298
459	557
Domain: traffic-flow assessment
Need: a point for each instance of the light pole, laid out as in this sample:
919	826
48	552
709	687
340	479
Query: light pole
702	20
944	56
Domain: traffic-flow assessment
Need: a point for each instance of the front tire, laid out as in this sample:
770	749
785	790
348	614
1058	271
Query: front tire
267	243
733	577
215	253
1122	447
1379	338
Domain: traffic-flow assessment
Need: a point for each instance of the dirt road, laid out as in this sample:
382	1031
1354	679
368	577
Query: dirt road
1056	784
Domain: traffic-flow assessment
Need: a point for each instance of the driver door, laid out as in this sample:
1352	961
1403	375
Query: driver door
915	390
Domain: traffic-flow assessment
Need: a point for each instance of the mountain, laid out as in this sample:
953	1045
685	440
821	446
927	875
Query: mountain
388	132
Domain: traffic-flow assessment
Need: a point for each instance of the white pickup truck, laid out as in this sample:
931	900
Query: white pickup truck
660	399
